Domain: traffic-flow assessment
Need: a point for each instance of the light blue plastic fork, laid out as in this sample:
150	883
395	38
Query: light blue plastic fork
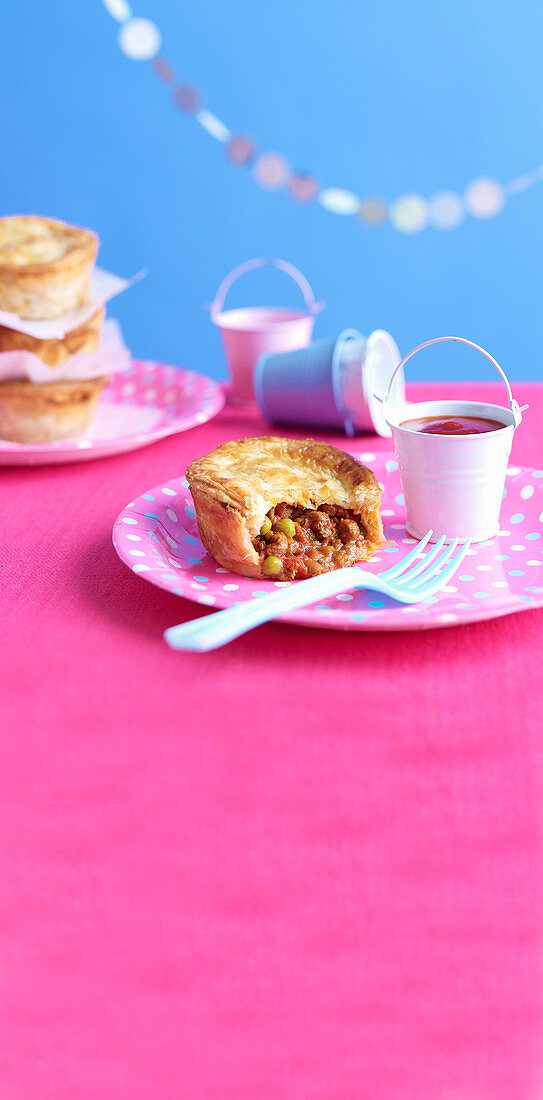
411	584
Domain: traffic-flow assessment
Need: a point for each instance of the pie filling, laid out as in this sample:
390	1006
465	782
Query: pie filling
297	542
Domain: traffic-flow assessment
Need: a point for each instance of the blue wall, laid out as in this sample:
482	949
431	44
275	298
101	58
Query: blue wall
381	96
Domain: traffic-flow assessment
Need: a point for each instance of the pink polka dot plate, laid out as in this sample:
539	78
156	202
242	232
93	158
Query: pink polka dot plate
157	537
139	406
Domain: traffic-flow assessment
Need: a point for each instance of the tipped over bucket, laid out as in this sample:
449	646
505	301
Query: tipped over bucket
249	332
331	383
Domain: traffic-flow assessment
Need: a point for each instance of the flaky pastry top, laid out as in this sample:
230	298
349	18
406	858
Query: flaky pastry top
252	475
28	241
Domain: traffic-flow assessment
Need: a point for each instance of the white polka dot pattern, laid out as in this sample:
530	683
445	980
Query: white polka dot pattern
502	576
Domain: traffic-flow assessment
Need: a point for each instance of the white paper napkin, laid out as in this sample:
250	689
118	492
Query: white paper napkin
103	286
112	356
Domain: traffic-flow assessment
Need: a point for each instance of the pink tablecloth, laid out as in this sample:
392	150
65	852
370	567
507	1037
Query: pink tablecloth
306	866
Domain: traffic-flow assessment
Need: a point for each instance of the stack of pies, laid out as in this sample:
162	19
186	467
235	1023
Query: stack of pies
45	266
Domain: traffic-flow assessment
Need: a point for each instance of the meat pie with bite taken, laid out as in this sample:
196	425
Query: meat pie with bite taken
285	508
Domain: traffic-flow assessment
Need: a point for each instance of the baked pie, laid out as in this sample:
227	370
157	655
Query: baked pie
84	338
42	412
44	266
285	508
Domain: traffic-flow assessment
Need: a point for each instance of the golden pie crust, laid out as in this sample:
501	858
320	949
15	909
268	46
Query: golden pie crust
235	486
33	412
83	339
44	266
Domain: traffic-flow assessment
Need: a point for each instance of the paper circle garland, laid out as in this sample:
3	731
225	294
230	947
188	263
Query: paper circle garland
140	40
303	187
240	149
163	70
187	98
271	171
373	211
446	210
409	213
484	198
118	9
338	201
212	124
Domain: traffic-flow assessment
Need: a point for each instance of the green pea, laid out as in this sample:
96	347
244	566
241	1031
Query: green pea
288	527
266	526
271	566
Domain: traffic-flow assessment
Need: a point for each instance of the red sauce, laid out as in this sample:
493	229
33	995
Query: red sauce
451	424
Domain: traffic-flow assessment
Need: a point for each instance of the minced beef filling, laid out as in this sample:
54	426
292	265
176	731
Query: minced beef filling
302	542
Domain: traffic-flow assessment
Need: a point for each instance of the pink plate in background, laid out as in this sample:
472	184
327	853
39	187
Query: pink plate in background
157	537
139	406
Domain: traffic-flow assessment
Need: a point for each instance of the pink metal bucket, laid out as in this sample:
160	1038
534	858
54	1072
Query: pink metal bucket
249	332
453	484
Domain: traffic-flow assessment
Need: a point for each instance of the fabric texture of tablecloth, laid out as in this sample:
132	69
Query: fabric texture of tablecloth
305	867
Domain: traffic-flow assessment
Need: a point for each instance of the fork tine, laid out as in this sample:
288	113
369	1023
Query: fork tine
395	570
434	566
452	566
437	582
407	577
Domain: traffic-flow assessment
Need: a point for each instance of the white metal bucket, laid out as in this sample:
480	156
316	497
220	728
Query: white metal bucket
453	484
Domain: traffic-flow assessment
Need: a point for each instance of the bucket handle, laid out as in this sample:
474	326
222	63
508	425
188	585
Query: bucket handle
513	405
312	306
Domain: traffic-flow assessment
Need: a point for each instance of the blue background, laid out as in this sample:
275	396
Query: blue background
381	97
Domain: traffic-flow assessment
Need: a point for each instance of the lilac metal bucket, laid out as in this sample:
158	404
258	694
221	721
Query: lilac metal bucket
453	484
249	332
331	383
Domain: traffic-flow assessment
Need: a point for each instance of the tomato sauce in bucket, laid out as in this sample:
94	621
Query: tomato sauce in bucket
453	425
